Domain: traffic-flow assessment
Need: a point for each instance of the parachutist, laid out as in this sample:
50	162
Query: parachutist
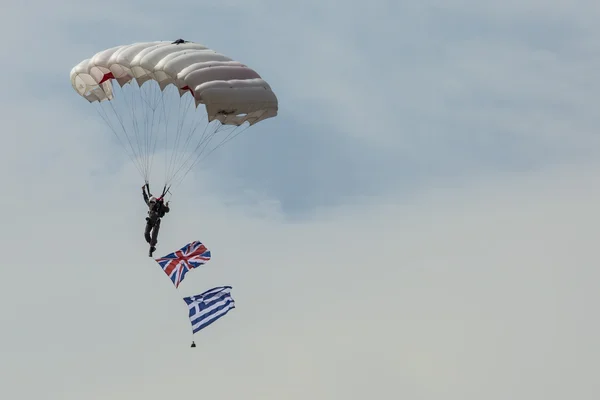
180	41
156	210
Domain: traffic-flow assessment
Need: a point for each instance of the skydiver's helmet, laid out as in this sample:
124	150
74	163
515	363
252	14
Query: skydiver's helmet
152	201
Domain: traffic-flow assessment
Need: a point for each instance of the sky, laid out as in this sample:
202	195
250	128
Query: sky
419	221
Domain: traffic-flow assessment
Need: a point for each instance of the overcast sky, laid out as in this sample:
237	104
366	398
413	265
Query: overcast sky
420	221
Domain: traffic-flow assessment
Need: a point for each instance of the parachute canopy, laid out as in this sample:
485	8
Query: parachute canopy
172	80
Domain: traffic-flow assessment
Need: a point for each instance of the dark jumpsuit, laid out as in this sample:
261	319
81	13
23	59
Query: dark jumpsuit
153	219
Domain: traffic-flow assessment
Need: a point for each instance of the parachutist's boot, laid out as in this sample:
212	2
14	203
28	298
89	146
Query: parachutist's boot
152	250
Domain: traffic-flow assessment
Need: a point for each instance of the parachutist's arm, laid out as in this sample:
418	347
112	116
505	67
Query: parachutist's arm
146	198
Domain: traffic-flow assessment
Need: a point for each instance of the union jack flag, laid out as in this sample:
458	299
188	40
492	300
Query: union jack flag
178	263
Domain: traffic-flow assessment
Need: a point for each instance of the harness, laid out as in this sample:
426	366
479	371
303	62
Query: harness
156	212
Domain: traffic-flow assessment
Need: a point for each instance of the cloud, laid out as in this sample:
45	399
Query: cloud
419	221
408	94
454	292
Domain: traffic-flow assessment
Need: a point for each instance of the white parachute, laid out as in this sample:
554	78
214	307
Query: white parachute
161	110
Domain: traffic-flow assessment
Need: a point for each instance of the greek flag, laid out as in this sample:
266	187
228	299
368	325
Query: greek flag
207	307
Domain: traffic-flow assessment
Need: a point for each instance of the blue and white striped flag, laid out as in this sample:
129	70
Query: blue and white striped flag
207	307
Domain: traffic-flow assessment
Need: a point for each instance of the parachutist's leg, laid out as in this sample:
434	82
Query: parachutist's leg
153	240
155	234
147	231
